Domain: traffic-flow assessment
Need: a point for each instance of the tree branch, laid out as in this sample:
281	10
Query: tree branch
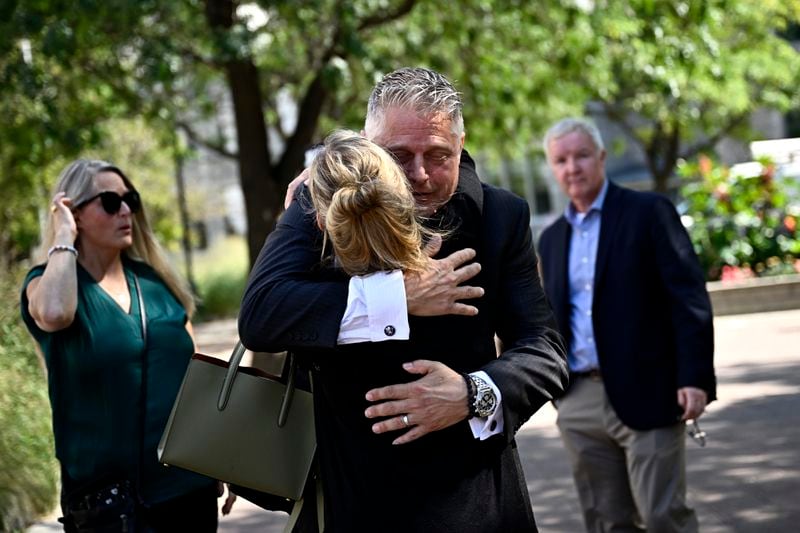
308	115
614	114
318	93
191	55
272	105
205	143
387	16
714	139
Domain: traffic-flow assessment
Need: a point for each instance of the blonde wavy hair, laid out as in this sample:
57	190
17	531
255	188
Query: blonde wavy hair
77	182
365	206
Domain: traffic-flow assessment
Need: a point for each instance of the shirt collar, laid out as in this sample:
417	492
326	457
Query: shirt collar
573	216
469	184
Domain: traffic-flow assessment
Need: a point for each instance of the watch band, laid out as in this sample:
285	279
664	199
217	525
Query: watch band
472	392
481	398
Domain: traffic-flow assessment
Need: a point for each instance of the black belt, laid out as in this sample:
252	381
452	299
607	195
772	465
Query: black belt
593	373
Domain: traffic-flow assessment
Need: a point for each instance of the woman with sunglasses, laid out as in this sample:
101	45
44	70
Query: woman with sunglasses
112	320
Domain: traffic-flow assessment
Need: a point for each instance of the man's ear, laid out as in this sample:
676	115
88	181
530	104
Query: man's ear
463	137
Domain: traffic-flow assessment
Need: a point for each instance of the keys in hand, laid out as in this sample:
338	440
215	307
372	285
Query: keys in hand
697	434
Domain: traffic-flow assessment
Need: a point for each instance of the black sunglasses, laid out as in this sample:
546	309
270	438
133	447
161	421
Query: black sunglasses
113	201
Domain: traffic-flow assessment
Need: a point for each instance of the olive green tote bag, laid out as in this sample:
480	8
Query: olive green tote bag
242	426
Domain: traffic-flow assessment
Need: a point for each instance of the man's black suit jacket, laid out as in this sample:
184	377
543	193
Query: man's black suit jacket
293	301
651	313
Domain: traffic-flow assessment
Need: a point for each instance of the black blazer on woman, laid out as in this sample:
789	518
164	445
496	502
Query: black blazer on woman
651	313
446	480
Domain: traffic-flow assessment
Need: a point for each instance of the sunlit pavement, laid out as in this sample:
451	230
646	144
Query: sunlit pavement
746	479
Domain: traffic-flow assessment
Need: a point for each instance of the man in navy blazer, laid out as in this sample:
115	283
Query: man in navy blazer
630	299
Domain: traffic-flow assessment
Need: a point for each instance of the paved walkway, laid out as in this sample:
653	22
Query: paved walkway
746	479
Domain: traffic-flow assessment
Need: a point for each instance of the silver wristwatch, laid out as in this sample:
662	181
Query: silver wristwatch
485	402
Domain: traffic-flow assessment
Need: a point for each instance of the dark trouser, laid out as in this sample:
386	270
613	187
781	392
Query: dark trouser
195	511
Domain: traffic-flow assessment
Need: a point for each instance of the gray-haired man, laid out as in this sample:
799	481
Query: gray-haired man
415	412
630	298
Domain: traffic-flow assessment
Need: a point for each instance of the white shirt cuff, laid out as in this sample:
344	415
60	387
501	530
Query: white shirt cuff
485	427
376	309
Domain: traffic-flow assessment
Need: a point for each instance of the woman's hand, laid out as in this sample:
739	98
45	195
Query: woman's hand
66	230
53	297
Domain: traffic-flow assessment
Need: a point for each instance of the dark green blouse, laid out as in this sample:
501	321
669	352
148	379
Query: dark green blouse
94	378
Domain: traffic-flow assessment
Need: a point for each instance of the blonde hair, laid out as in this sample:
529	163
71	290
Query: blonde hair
77	182
366	206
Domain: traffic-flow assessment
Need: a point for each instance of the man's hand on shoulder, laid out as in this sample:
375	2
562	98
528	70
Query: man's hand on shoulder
435	401
436	291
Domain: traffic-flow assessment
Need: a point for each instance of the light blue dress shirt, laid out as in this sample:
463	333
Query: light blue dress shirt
582	258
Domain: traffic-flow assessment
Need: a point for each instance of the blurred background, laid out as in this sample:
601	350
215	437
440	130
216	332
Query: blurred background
210	106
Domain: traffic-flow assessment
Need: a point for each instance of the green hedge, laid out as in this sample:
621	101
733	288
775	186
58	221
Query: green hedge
28	470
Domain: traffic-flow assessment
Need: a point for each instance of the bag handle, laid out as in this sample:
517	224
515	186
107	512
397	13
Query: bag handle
230	376
283	412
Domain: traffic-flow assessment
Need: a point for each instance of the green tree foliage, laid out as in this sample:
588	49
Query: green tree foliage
742	220
166	60
45	115
499	55
678	76
64	72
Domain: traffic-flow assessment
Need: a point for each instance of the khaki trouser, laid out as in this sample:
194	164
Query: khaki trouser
627	480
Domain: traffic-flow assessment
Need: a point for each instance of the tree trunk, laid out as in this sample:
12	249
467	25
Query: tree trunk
661	183
261	196
186	243
262	200
662	155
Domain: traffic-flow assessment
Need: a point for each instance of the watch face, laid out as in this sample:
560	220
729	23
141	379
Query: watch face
485	403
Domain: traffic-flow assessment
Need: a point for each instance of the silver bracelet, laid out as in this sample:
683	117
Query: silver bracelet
62	248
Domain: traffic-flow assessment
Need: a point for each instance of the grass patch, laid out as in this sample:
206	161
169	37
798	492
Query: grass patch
221	275
29	478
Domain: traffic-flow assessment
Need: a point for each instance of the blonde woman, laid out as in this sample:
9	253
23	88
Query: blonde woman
415	419
364	205
114	366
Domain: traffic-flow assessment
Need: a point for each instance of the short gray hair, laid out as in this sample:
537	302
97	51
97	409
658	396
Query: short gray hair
419	89
569	125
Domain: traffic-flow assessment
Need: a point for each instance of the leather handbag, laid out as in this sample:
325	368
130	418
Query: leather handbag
242	426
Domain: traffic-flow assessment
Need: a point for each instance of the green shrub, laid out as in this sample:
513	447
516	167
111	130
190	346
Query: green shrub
220	295
742	224
28	468
221	274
